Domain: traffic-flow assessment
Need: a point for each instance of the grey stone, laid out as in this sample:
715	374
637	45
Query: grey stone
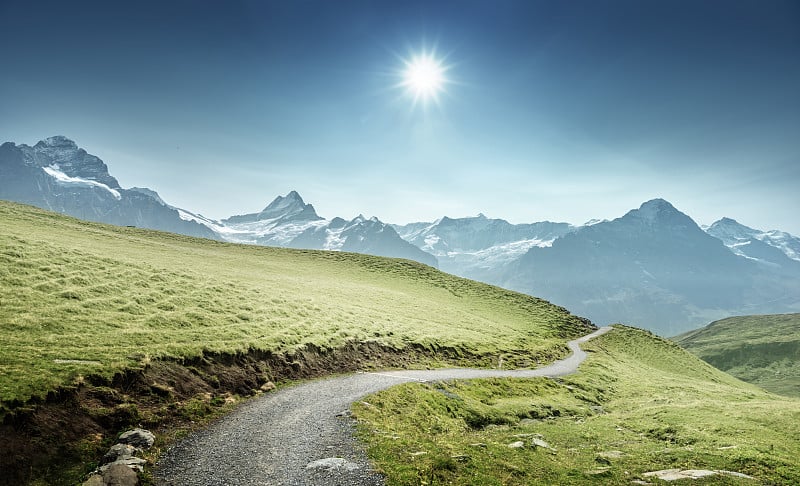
143	439
133	463
332	463
120	475
119	451
94	480
517	445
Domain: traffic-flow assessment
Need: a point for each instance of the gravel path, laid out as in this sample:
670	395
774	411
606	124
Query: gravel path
302	435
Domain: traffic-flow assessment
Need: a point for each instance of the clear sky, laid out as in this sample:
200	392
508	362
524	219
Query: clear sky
559	110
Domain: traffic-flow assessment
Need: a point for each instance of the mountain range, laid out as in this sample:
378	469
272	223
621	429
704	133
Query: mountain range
654	267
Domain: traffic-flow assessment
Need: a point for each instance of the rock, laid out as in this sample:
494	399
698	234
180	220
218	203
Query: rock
536	443
418	453
479	444
460	458
119	451
610	454
143	439
676	474
133	463
344	413
332	463
120	475
268	386
94	480
516	445
597	409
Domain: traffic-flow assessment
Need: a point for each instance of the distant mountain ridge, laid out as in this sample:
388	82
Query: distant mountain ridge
475	247
770	247
654	267
288	221
55	174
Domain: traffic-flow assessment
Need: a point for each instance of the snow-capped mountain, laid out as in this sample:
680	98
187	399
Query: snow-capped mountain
283	220
55	174
654	268
756	244
477	247
288	221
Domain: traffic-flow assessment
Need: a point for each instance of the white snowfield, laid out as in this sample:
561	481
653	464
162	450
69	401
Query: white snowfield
54	171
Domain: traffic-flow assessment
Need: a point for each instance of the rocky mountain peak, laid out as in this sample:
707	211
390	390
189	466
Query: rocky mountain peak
290	207
289	203
57	141
658	213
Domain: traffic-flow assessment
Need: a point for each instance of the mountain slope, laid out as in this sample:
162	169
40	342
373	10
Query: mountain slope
638	404
74	290
764	350
653	267
55	174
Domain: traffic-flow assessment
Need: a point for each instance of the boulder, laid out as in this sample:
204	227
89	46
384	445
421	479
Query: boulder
143	439
536	443
120	475
94	480
119	451
133	463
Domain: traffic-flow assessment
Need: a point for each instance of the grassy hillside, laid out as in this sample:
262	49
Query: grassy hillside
81	299
764	350
639	404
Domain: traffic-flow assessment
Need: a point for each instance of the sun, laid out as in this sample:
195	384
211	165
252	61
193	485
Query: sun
424	77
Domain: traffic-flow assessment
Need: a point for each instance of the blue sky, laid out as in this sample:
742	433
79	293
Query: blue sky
560	110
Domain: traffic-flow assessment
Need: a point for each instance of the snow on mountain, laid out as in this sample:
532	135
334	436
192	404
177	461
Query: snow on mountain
744	240
477	246
283	220
56	174
288	221
654	268
62	178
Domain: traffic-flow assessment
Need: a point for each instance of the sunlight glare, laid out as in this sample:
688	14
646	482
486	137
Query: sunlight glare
424	77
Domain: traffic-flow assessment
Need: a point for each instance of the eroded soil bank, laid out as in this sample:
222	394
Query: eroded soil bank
59	439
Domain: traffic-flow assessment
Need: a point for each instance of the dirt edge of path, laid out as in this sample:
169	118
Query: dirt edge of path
59	439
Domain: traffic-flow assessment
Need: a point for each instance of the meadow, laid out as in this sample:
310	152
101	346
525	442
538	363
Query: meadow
81	299
764	350
638	404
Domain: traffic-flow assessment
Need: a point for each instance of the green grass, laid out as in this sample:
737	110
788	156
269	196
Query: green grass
764	350
639	403
114	298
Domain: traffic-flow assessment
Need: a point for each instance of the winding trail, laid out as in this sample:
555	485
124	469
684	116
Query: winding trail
276	439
